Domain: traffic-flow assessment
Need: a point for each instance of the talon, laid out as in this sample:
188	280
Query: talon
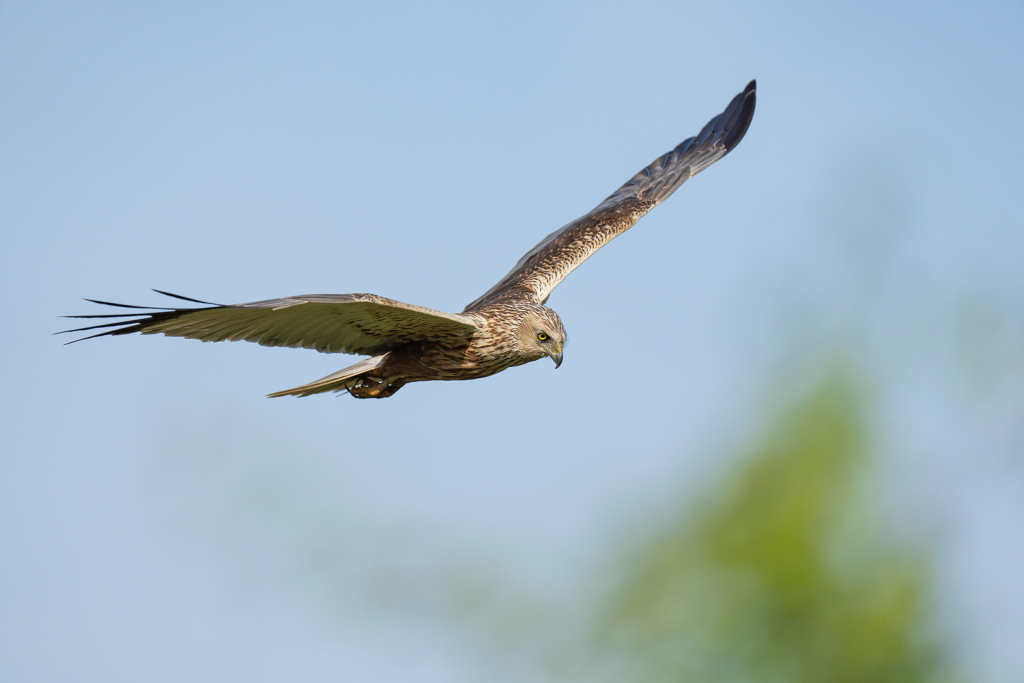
372	387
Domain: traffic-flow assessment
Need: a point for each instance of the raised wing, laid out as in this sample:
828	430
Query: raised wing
558	254
330	323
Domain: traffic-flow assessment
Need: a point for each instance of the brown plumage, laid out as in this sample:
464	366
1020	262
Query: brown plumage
509	325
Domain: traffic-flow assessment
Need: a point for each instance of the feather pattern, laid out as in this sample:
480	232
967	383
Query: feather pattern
561	252
363	324
337	381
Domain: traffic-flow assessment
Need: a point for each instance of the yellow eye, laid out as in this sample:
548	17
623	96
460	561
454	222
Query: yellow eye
541	336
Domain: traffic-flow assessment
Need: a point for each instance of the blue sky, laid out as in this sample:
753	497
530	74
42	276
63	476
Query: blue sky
243	151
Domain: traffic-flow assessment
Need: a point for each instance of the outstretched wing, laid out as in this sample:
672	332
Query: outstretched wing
562	251
330	323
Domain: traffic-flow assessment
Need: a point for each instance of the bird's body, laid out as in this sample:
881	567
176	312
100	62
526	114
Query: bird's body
495	347
509	325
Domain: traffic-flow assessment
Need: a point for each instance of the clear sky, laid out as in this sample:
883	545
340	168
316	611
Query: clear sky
242	151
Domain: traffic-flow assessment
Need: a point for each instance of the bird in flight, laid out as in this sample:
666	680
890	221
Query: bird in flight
509	325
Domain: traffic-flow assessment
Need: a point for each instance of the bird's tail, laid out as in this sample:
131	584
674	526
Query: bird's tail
339	381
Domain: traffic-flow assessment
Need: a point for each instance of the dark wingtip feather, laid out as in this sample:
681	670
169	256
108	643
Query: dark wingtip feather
119	323
746	115
93	336
111	315
185	298
110	303
147	315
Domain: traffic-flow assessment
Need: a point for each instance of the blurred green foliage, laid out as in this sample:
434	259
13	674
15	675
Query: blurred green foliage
780	575
781	572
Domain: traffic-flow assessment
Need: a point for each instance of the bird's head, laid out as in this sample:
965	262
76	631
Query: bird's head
541	334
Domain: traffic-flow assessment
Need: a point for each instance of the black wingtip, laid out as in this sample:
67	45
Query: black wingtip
110	303
746	115
140	320
75	341
120	323
185	298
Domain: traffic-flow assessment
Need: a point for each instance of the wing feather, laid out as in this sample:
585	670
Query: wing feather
363	324
558	254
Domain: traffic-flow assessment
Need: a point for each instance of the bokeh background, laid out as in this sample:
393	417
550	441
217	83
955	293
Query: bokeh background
787	441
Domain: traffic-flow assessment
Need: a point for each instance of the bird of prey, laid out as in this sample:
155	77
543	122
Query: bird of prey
509	325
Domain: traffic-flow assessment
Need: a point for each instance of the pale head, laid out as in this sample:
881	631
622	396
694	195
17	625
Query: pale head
541	334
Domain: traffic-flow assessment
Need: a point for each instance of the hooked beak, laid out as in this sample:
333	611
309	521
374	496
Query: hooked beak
557	357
